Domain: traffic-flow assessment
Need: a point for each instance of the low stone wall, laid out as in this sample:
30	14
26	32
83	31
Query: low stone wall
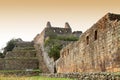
86	76
19	64
20	73
2	65
21	53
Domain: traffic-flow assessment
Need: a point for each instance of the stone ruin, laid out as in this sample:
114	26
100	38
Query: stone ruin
22	57
40	39
97	50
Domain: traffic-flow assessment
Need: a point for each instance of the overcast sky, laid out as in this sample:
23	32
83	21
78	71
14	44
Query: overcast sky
27	18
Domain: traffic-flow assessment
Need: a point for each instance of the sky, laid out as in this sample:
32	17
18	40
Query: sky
26	18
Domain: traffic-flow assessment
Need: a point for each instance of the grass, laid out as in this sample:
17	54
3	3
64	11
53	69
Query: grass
2	77
43	78
34	70
116	73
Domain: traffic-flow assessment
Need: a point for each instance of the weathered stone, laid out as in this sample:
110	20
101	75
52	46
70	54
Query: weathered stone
48	32
85	76
97	50
22	57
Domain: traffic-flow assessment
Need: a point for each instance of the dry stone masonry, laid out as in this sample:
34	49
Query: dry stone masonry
48	32
98	49
22	57
85	76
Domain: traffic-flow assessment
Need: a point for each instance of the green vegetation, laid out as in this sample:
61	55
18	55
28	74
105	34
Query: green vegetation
55	51
49	42
45	78
10	45
55	44
2	77
54	48
52	40
1	55
51	34
116	73
14	77
12	71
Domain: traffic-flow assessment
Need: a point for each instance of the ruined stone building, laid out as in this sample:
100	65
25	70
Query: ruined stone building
97	50
22	57
52	32
33	55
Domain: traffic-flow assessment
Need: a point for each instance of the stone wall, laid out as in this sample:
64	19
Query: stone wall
97	49
86	76
22	57
39	38
48	32
2	64
42	64
41	53
24	44
77	33
21	53
54	31
21	64
18	64
18	73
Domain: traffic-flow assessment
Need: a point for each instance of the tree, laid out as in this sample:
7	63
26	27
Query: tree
1	55
10	45
55	51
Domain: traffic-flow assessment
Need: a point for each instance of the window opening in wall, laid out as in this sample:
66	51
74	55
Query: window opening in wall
95	36
87	39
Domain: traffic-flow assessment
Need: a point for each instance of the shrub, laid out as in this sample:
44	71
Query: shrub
55	51
11	44
1	55
49	42
55	44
